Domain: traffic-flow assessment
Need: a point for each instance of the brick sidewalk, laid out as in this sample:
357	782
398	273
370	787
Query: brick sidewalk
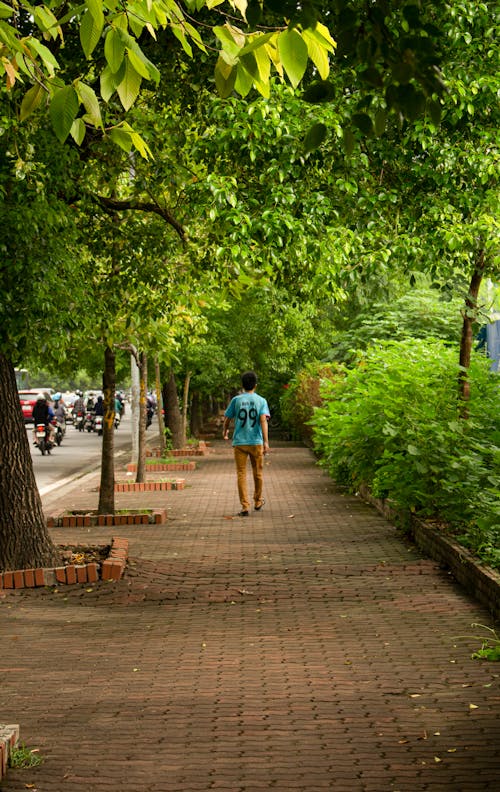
307	647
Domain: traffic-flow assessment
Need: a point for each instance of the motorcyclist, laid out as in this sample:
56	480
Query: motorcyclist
59	409
60	413
43	413
150	409
78	404
99	406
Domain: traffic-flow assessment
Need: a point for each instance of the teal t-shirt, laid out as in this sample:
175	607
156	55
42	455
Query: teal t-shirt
246	409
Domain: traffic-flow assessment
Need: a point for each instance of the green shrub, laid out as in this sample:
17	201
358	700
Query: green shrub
393	423
302	396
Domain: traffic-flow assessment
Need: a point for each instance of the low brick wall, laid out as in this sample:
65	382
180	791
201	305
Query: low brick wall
481	581
199	450
155	467
149	486
112	568
9	737
87	520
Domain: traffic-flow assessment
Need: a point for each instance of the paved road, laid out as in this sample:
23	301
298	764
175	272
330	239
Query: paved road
78	453
307	647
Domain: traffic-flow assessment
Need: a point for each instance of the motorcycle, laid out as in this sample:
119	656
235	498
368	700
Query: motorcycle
42	439
98	424
60	430
117	420
79	420
89	421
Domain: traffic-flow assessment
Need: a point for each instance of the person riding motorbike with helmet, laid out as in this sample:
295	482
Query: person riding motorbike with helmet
43	413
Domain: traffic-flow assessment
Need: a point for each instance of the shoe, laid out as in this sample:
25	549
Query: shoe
258	508
243	513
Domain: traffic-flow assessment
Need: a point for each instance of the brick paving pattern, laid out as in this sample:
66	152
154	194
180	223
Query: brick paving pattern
306	647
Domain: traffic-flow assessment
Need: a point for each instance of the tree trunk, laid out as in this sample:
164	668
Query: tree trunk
25	542
141	457
185	401
174	418
195	422
107	488
467	336
161	423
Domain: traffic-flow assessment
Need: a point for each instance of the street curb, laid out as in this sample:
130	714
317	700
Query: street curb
481	581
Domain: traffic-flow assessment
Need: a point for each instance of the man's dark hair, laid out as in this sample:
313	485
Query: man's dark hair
249	380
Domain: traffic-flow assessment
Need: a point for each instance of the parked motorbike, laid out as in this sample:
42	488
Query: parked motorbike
42	439
79	420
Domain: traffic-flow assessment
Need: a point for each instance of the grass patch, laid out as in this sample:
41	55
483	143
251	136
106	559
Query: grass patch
21	757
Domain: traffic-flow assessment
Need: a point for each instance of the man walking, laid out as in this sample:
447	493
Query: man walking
250	439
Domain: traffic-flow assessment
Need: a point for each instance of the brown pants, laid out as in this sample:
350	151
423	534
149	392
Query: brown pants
256	455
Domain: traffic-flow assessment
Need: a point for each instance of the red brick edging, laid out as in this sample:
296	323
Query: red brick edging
86	520
159	466
480	580
149	486
112	568
200	450
9	737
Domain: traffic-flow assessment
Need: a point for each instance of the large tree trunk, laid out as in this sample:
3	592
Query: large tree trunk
24	539
161	422
141	457
107	489
466	340
173	413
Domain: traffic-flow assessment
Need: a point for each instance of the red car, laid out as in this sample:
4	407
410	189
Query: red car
28	399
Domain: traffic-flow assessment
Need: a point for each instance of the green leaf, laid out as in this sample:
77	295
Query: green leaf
139	65
363	122
319	92
45	54
225	77
434	112
114	50
5	11
110	81
315	137
31	101
293	53
62	110
122	138
255	42
90	32
128	89
141	146
348	140
78	131
243	82
90	102
380	121
317	53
